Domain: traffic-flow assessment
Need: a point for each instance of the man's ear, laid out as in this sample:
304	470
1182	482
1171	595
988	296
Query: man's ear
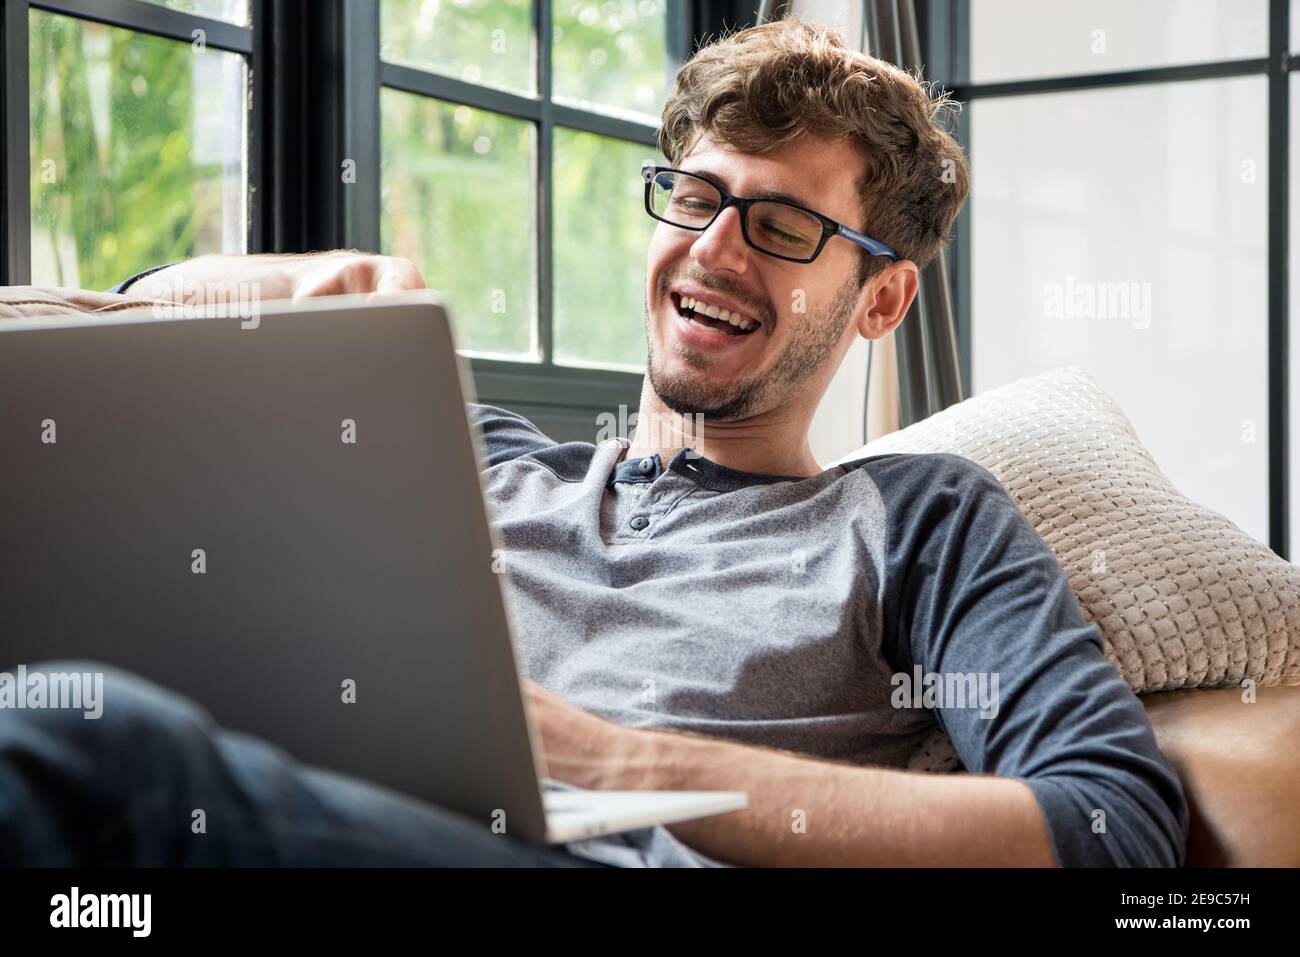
884	301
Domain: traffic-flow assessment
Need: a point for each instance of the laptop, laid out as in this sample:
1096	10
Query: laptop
280	514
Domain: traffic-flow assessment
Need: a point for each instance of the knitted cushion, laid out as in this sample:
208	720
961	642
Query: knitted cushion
1183	598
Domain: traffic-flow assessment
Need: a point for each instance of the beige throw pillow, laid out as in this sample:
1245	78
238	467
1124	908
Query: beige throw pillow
1183	598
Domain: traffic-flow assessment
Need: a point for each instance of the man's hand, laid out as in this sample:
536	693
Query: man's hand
580	748
340	274
849	815
214	279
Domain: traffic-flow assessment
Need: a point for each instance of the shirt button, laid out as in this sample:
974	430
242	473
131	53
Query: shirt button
647	466
639	522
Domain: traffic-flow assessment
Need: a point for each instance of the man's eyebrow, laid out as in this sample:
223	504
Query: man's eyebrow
765	194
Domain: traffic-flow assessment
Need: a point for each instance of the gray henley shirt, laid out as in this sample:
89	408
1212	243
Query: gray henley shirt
780	611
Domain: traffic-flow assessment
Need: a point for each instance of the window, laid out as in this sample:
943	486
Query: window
1127	160
479	41
601	234
131	155
613	55
512	139
136	146
458	200
1088	254
232	11
1028	39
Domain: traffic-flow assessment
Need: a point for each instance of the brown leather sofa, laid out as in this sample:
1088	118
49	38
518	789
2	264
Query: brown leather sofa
1239	762
1240	767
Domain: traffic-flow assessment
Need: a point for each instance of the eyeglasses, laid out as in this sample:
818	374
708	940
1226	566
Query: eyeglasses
784	230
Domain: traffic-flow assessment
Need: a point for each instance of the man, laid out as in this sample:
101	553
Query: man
713	610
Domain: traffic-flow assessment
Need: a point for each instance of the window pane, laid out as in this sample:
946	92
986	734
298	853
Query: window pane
1125	230
234	11
1020	39
137	152
457	200
613	54
602	233
481	41
845	18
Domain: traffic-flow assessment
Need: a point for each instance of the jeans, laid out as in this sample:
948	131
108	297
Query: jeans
132	787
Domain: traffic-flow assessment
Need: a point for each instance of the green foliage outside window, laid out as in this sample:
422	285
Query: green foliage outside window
456	193
137	154
138	158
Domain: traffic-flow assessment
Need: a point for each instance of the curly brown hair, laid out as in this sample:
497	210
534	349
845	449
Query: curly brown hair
762	87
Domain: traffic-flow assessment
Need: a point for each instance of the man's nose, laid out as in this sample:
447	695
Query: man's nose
722	245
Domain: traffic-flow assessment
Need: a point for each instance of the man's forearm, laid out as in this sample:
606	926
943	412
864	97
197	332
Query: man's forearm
215	278
804	812
219	272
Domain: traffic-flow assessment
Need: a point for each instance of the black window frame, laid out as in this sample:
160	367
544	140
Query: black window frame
946	34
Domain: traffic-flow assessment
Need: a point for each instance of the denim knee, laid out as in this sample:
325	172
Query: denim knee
101	711
86	764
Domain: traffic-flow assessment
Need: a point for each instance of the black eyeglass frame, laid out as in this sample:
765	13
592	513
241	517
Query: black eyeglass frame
829	226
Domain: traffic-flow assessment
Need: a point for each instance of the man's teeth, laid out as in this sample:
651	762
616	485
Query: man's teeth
700	325
713	312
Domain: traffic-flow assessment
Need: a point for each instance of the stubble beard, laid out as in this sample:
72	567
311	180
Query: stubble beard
813	339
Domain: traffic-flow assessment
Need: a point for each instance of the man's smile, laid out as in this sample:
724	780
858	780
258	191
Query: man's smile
695	328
